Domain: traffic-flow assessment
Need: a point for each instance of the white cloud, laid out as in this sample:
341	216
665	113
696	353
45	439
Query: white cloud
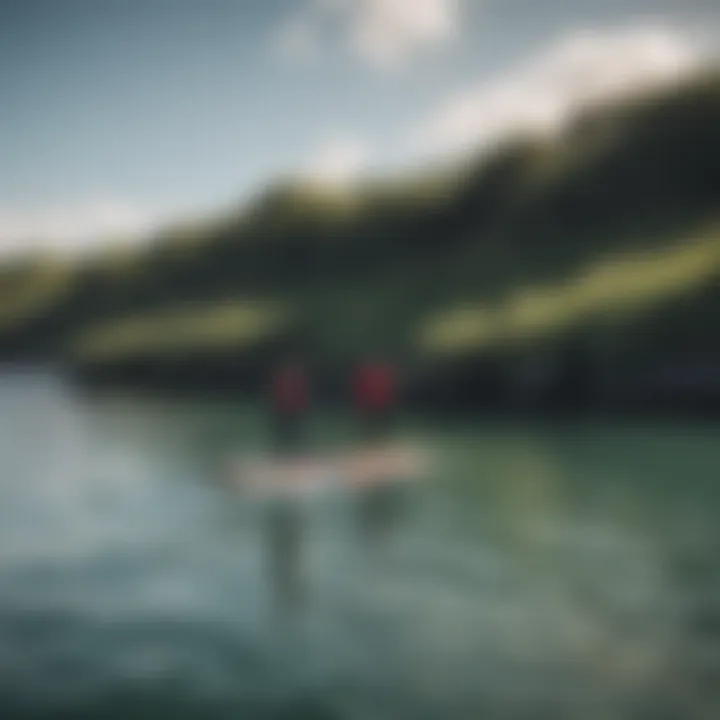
339	160
71	227
540	95
386	34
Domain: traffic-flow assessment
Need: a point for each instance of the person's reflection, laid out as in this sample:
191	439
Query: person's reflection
380	508
284	524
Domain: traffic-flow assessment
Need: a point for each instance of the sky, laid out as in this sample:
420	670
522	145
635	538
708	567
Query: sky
117	116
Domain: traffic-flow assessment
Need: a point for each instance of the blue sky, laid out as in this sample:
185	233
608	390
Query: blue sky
118	114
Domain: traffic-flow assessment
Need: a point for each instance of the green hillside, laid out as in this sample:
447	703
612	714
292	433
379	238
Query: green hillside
608	235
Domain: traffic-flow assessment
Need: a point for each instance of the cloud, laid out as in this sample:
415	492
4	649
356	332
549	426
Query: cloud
338	160
386	34
71	227
581	69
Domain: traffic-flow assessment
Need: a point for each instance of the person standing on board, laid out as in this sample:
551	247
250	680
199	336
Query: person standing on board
375	398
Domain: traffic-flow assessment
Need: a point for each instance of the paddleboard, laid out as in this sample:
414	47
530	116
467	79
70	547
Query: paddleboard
348	469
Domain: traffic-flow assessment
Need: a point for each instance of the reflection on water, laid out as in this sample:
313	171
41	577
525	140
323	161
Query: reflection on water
567	572
285	530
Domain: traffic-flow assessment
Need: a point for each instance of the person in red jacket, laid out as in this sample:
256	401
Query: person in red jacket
380	504
375	396
290	399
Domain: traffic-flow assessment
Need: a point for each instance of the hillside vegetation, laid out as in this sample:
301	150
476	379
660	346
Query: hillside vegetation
606	237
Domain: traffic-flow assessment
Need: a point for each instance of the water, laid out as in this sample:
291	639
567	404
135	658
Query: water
564	572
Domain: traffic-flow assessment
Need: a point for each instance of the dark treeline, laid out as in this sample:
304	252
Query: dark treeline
363	271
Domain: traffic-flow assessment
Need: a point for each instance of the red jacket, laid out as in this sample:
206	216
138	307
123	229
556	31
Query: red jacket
374	387
289	390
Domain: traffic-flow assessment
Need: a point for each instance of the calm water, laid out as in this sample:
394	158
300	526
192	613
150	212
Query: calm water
565	572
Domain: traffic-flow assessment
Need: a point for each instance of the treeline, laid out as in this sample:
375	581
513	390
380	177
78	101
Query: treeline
438	272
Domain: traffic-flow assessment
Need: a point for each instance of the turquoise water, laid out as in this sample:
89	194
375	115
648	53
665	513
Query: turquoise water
542	572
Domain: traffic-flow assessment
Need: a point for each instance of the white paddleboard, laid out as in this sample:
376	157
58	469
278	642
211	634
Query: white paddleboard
348	469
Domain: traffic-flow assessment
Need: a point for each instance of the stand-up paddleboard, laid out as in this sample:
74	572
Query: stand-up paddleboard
350	469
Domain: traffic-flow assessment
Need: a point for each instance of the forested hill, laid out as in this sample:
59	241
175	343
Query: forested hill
605	238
